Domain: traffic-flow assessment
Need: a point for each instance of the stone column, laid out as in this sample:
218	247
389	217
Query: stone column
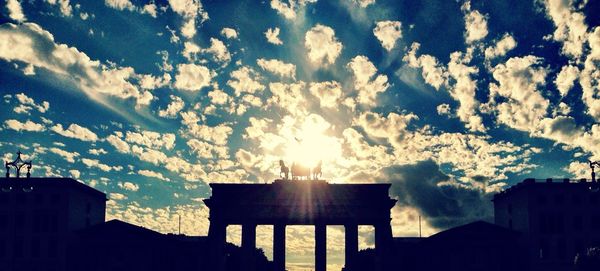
279	247
351	247
248	246
320	247
217	234
383	245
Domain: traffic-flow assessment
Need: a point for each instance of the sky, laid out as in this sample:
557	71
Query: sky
450	101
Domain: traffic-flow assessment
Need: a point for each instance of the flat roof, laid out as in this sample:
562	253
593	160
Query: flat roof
51	182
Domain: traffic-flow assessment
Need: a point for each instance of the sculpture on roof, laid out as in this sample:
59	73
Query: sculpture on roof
285	171
18	163
592	164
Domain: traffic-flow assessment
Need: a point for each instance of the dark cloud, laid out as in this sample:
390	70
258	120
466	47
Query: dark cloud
443	202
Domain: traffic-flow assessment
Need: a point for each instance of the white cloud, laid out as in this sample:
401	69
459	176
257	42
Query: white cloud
278	67
15	11
218	134
218	50
151	139
148	81
322	45
192	77
518	81
589	79
207	150
366	80
505	44
272	35
463	89
30	44
150	9
244	80
65	6
75	173
27	103
68	156
97	151
118	143
565	80
288	96
328	92
432	72
75	131
189	10
117	196
120	4
152	174
475	24
229	33
443	109
129	186
388	32
364	3
93	163
29	126
173	108
290	9
218	96
571	29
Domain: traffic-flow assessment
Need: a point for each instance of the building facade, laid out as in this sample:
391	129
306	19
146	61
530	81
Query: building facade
558	219
37	216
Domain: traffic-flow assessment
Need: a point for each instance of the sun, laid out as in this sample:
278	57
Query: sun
310	143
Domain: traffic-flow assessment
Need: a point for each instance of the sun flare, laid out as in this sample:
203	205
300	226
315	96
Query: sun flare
310	143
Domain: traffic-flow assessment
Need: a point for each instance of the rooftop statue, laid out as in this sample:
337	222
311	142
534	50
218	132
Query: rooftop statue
299	171
18	163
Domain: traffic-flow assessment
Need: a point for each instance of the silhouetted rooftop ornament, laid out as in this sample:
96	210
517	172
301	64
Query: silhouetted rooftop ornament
300	171
592	164
18	163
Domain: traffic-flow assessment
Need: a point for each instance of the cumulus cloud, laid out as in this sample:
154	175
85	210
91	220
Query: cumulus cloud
118	143
217	134
151	139
218	50
518	81
289	10
28	126
388	32
31	44
15	11
475	24
27	103
75	131
328	92
432	71
190	11
120	4
192	77
366	80
442	201
463	89
565	80
129	186
364	3
65	7
173	108
272	35
289	97
322	45
68	156
244	80
571	28
93	163
152	174
502	46
75	173
229	33
277	67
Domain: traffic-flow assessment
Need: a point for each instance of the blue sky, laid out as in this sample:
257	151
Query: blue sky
450	101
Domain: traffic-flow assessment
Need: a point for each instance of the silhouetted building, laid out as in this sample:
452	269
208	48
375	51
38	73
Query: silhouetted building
477	246
557	219
116	245
36	217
